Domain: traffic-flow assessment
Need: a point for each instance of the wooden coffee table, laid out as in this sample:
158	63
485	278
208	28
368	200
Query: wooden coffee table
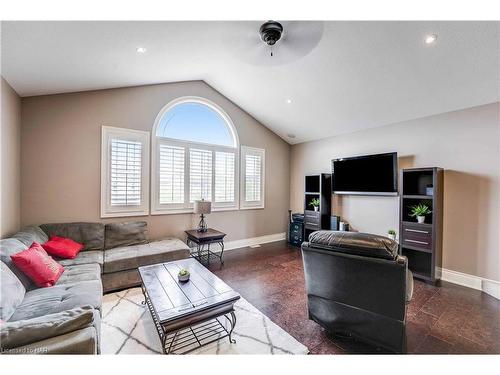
188	315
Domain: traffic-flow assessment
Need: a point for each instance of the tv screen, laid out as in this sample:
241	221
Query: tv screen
366	175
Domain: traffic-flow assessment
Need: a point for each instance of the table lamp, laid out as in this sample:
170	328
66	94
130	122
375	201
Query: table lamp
202	207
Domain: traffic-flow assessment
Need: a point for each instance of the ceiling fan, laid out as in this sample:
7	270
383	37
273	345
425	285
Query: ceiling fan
273	42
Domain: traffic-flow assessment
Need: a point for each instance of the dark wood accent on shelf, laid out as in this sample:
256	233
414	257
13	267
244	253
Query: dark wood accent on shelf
321	184
422	243
210	234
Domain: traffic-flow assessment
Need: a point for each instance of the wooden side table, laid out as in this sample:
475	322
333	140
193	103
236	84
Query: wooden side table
203	240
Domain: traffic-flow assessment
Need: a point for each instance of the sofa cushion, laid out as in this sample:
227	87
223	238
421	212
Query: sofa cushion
11	246
125	234
130	257
31	234
38	265
11	292
364	244
91	235
44	301
81	272
84	257
23	332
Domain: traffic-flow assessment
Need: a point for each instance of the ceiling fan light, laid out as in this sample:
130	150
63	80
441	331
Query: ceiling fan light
270	32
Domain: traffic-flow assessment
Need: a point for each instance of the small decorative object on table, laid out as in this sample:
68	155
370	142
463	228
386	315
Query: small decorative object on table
429	190
392	234
183	275
343	226
419	211
315	204
202	207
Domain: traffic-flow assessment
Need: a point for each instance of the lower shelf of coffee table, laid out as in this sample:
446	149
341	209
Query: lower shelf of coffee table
187	339
191	338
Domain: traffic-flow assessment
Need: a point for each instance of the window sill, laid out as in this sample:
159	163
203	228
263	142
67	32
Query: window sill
190	211
123	214
252	208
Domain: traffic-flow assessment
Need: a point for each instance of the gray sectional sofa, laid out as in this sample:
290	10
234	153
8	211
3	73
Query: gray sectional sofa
65	318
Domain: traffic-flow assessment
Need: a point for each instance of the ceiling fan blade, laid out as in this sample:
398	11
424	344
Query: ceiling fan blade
299	39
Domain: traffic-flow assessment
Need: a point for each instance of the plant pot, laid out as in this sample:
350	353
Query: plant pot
421	219
316	208
392	237
183	278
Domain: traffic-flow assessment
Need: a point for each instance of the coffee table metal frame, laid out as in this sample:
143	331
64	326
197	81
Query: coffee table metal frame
184	335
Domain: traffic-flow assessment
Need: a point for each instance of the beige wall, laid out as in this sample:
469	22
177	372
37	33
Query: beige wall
61	158
10	180
465	143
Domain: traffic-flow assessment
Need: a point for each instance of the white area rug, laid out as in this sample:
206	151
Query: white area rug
127	328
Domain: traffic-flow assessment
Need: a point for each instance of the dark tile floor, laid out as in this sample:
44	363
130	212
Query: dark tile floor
444	319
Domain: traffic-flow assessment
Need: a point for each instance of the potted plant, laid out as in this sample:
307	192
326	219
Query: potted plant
183	275
392	234
419	211
315	204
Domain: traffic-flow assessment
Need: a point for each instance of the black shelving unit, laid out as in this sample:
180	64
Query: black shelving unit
317	187
422	243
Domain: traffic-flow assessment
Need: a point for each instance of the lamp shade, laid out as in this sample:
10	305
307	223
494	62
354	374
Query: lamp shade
202	207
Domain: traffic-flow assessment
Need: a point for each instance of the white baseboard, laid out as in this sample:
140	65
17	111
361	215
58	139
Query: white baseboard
491	287
230	245
253	241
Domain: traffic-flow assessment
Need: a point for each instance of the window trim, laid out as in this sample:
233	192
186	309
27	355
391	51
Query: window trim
199	100
159	209
107	134
244	205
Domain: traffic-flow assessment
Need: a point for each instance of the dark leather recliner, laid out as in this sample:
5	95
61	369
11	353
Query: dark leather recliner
358	285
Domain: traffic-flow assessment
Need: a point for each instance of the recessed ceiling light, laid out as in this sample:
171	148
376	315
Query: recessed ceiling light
289	101
141	50
290	135
430	39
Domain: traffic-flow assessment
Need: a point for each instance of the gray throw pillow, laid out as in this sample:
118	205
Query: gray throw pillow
11	292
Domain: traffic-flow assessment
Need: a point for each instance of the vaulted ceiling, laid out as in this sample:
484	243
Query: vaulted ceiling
325	78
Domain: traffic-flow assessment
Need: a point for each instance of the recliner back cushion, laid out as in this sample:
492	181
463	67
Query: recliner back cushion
126	234
11	246
364	244
91	235
31	234
11	292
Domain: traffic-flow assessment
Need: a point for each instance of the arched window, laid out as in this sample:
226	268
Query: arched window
195	156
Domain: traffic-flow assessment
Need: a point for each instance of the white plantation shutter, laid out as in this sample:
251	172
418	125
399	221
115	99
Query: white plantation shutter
252	178
224	177
125	173
252	185
200	175
171	174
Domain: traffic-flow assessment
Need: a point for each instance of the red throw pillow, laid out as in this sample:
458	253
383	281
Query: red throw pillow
38	265
62	247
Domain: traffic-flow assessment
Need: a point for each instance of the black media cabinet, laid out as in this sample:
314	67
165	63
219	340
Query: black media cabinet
317	186
422	243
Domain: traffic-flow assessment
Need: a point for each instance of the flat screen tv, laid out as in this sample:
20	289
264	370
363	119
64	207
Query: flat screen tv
366	175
